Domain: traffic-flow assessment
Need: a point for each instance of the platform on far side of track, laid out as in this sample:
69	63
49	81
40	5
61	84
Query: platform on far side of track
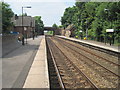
38	76
93	43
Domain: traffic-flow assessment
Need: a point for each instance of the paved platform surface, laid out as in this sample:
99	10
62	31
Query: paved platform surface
38	75
95	43
16	64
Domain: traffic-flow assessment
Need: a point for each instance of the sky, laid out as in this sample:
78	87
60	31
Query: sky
50	10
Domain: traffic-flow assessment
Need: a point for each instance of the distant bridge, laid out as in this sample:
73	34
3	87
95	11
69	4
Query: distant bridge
55	31
49	28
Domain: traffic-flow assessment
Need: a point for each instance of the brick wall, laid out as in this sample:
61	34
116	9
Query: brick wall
28	31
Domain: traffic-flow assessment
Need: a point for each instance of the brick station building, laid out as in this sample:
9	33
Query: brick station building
28	25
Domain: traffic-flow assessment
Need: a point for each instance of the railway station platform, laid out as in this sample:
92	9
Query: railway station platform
94	43
38	76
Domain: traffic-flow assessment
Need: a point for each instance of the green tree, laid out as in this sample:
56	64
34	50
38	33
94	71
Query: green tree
68	18
24	14
7	14
60	26
39	26
55	26
94	17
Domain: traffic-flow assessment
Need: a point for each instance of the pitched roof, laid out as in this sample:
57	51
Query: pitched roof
27	21
70	27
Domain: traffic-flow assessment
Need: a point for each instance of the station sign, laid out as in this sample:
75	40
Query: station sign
25	28
109	30
80	31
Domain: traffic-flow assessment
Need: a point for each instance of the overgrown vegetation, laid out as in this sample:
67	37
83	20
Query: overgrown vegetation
7	14
93	18
55	26
39	26
49	32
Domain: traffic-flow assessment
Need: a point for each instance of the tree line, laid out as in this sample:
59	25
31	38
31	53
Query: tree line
93	18
7	24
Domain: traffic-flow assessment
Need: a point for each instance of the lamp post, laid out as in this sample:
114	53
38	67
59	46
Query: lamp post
108	16
22	25
86	29
110	25
110	31
25	29
105	39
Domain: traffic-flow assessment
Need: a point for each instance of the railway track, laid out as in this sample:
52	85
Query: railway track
87	51
106	73
100	57
97	48
70	76
53	74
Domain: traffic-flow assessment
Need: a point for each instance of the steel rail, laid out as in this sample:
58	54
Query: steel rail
58	74
93	85
94	62
93	54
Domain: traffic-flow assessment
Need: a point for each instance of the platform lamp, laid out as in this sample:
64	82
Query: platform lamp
86	29
105	39
22	25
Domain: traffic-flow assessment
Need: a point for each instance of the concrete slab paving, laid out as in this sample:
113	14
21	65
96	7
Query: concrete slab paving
34	81
36	71
38	75
17	63
94	43
38	63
